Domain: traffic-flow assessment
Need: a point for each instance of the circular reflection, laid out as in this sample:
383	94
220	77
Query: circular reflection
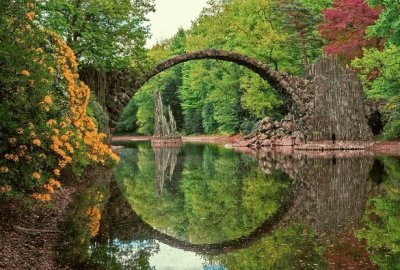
201	194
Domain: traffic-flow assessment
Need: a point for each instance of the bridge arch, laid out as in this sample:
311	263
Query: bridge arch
312	101
280	81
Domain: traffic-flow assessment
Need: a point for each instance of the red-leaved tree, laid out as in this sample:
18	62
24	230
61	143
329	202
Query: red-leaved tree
344	27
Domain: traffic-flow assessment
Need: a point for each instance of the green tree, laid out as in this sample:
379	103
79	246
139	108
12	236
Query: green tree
301	21
289	248
378	68
392	113
127	121
387	25
145	110
378	71
105	34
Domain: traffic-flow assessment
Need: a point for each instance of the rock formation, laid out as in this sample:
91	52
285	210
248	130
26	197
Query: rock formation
165	132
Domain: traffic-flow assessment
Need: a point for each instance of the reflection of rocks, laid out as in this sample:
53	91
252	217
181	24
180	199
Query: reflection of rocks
166	160
335	186
338	191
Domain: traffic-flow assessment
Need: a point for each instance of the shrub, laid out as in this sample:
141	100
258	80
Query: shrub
391	130
43	107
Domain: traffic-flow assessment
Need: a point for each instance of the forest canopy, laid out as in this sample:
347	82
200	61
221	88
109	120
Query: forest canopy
288	36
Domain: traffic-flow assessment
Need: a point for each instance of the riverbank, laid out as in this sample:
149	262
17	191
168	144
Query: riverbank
31	233
390	148
222	139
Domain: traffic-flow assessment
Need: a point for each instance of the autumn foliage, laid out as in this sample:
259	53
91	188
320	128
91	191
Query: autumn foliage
344	28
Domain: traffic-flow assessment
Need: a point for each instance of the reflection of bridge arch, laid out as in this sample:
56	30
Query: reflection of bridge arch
132	220
264	229
329	199
282	82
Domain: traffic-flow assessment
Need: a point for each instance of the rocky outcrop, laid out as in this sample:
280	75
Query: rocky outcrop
339	104
165	132
273	133
163	128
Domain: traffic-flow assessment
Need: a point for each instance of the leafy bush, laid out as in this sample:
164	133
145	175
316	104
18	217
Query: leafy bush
43	106
100	117
392	113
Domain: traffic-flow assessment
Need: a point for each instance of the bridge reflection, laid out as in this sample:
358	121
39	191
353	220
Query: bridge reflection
328	193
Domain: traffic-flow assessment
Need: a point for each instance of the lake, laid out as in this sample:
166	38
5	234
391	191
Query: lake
203	206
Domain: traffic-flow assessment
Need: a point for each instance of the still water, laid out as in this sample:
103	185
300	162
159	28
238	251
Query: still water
202	206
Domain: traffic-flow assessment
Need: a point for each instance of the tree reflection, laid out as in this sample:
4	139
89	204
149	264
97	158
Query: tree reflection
221	196
382	219
290	248
223	206
119	255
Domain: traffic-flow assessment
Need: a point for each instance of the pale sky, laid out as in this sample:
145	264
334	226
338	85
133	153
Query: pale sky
169	258
170	15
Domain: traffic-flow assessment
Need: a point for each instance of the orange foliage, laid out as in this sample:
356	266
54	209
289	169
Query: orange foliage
94	215
5	189
79	94
73	137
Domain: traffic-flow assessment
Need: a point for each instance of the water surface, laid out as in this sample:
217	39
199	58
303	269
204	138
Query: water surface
202	206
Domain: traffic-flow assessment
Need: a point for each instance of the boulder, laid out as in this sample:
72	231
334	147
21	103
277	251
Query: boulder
288	125
266	142
286	141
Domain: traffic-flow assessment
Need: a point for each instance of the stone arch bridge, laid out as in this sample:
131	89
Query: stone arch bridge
327	104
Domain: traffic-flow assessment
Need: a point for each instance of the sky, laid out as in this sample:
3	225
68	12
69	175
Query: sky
169	258
170	15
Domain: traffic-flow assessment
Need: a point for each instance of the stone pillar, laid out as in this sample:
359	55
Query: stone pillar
339	104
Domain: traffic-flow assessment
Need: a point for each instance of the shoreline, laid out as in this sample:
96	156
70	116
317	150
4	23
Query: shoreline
222	139
379	148
31	233
30	237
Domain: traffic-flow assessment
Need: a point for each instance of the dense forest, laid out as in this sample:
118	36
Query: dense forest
288	36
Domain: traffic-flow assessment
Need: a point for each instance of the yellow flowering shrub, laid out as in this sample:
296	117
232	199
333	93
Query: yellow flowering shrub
45	126
93	215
